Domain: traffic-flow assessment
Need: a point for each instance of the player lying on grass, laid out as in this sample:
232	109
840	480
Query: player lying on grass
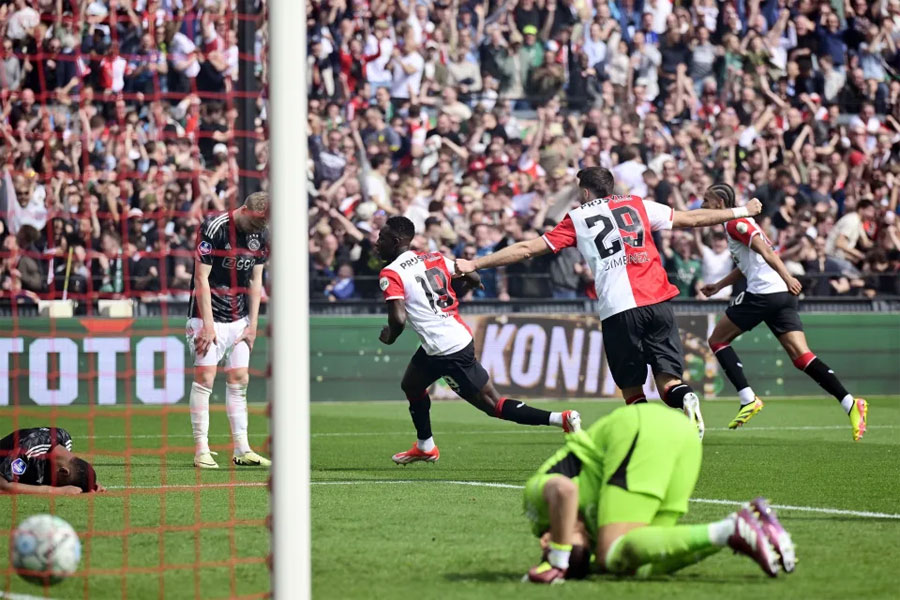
614	235
620	487
771	297
416	285
40	461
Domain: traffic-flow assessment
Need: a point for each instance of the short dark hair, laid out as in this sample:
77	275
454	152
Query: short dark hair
378	160
402	227
598	180
723	191
432	221
863	204
82	475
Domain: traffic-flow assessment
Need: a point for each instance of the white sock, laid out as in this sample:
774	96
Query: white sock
847	403
720	531
236	408
425	445
747	396
200	416
559	557
556	419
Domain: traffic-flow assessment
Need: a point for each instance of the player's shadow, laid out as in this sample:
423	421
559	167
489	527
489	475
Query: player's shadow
485	577
516	576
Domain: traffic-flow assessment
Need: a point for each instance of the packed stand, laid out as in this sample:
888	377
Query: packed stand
471	118
117	138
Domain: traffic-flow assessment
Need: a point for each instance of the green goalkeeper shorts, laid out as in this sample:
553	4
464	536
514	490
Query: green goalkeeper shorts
637	465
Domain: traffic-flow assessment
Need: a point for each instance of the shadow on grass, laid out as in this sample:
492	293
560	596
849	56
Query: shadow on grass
516	577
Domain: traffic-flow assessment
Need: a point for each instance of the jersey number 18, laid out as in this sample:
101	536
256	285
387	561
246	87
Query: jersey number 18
436	286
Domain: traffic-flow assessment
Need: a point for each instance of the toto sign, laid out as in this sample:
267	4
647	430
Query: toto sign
55	365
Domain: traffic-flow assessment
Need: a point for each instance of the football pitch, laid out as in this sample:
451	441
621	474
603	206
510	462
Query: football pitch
455	529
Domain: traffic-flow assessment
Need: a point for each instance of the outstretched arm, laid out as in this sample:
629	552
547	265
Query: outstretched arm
714	288
11	487
511	254
396	322
759	245
704	217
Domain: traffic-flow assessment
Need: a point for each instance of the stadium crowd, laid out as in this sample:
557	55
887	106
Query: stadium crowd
118	131
117	137
472	117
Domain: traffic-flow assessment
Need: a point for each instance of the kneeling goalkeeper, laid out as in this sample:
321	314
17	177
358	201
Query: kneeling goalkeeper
40	461
618	489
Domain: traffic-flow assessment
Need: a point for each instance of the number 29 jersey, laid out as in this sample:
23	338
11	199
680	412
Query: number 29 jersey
422	281
614	236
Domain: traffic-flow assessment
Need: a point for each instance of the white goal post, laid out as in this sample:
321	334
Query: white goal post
289	308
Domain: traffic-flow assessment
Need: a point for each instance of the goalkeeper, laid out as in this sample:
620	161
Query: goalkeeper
40	461
619	489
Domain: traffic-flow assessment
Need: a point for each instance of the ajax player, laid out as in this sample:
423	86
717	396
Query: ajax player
613	234
225	293
416	285
618	489
771	297
39	460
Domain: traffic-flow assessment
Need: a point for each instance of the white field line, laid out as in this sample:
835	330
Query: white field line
13	596
510	431
490	484
190	488
788	507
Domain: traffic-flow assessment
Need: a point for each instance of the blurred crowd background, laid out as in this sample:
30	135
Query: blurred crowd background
472	117
120	130
118	136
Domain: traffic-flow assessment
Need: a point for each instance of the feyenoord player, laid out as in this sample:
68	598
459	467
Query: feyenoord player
771	297
613	234
416	286
618	490
225	291
39	460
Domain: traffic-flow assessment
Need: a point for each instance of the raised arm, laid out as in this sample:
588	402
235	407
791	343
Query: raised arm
511	254
704	217
759	245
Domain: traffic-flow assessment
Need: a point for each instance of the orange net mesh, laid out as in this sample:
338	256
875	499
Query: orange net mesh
125	126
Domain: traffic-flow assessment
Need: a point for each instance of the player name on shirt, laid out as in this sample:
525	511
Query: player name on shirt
422	281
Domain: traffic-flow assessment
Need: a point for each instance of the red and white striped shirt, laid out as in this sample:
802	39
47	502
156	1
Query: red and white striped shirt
422	281
614	236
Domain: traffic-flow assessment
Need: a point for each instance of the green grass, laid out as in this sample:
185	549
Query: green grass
184	524
407	532
382	531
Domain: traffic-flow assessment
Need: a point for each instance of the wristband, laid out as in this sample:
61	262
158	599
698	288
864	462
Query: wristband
740	212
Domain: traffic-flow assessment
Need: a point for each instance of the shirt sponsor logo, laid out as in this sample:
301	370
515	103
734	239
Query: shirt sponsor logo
204	248
19	467
384	283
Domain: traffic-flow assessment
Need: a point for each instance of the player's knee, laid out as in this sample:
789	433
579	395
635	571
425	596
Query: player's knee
559	489
412	391
237	377
205	377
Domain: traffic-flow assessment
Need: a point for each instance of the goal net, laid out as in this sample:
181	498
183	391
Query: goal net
126	126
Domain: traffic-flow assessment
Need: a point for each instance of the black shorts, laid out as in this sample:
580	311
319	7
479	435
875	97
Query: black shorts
461	370
778	310
646	335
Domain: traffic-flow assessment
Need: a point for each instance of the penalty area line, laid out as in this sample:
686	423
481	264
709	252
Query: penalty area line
13	596
491	484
